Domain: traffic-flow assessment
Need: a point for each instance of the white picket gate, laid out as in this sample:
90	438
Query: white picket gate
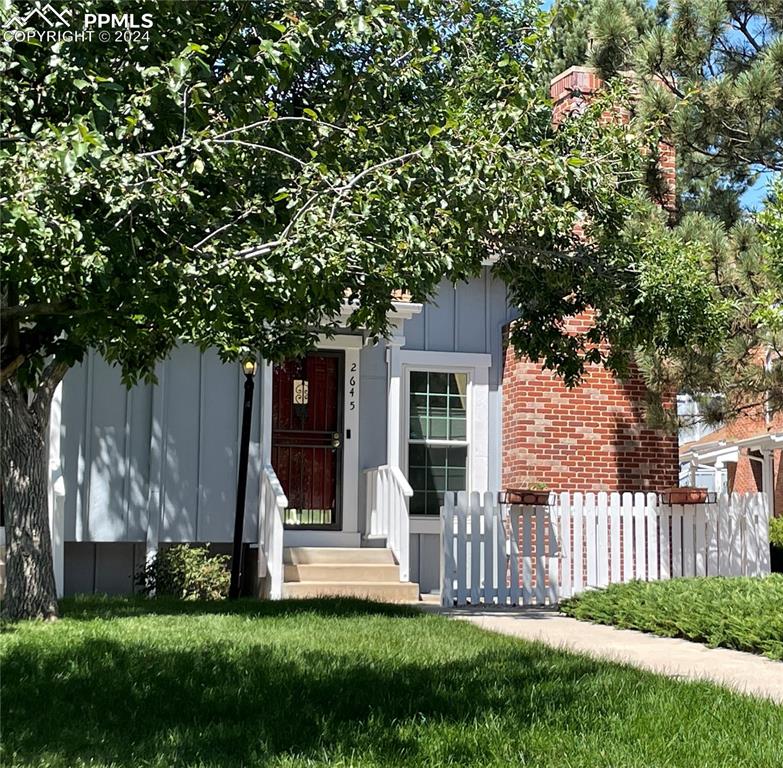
501	554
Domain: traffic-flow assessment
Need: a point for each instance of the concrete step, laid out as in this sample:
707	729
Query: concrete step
343	572
389	592
336	556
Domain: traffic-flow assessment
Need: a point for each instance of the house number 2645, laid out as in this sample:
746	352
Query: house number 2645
352	387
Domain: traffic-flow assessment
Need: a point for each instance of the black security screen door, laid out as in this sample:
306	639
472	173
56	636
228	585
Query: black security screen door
307	438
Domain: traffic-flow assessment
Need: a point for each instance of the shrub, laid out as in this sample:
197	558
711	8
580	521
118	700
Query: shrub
776	532
186	572
739	612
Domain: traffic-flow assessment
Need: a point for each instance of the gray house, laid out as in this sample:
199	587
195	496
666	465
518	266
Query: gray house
352	448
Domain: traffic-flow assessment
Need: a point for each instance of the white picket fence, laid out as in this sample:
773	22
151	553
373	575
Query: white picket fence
499	554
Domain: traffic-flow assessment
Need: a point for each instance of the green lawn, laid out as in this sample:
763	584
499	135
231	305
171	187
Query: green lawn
132	684
741	613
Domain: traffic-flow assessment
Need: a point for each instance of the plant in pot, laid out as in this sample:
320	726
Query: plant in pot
685	495
530	492
776	544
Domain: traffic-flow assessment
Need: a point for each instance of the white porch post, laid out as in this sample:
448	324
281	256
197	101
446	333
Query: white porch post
693	467
266	413
767	479
351	474
57	491
719	477
394	406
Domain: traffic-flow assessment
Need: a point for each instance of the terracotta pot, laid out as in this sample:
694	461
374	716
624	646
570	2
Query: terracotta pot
526	496
685	496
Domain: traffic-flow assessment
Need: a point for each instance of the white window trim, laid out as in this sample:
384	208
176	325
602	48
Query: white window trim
476	366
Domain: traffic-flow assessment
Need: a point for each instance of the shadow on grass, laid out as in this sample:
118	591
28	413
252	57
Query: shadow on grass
90	607
226	701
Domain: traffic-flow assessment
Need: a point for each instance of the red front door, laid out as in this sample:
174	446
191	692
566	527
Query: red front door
307	437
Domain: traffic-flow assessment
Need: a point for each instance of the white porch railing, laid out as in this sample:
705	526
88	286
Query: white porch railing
387	512
270	534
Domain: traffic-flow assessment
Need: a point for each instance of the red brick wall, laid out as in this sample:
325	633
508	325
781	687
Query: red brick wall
746	474
590	438
593	437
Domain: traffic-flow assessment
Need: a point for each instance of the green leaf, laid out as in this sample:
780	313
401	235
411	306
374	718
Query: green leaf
68	161
180	66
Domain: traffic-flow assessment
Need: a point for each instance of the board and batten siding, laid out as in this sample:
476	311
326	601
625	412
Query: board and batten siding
105	452
162	453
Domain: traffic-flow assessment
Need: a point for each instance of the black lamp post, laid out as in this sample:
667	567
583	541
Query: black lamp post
249	369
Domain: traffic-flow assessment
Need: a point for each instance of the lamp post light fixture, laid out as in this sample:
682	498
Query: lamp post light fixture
249	369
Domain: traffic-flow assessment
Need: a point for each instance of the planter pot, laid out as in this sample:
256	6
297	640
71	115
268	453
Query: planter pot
526	496
776	559
685	496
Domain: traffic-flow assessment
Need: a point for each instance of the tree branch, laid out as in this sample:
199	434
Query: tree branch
30	310
52	375
10	369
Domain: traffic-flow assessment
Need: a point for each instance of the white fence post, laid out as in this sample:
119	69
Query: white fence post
540	554
500	552
553	591
700	542
462	547
514	555
652	536
578	554
590	538
447	565
614	535
566	543
762	502
475	547
751	538
736	518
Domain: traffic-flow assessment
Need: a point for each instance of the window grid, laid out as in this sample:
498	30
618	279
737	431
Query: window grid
437	438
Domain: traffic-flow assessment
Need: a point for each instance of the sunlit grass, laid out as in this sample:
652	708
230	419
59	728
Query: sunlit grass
129	684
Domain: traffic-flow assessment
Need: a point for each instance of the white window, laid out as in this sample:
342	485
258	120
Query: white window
438	445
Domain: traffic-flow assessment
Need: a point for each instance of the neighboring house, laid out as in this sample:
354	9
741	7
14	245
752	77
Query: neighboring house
363	438
742	456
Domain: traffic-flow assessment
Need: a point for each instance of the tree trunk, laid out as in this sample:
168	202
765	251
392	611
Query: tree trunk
30	587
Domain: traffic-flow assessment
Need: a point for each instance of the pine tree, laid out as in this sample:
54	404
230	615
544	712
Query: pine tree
599	33
722	66
712	81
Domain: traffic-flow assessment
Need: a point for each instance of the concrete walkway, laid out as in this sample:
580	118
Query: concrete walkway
743	672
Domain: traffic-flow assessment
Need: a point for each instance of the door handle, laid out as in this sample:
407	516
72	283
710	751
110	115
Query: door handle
336	440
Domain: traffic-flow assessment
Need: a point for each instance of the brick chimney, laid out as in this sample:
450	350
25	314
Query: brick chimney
572	90
593	437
